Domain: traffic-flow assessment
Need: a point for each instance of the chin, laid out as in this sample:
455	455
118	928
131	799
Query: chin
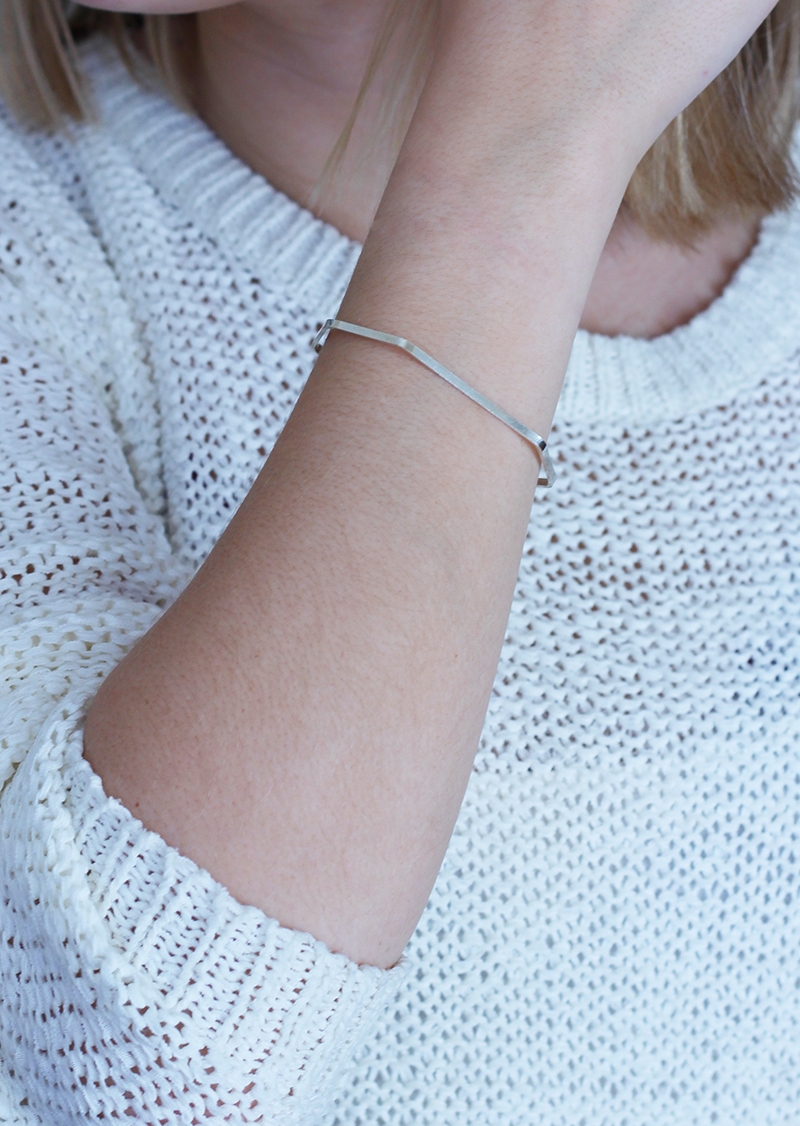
158	7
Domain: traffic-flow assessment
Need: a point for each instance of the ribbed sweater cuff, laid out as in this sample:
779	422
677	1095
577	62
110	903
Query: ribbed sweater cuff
251	1015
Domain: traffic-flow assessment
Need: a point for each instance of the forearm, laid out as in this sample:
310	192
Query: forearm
302	722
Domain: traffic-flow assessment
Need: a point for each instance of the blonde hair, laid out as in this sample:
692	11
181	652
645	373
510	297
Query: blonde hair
728	153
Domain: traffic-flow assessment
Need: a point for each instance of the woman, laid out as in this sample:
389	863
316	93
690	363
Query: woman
243	696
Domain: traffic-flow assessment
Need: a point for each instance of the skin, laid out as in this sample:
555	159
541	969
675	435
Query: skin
297	69
306	731
276	80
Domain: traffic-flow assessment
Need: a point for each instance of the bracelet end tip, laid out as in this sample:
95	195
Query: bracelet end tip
319	339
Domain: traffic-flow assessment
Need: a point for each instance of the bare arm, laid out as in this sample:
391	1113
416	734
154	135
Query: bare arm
303	720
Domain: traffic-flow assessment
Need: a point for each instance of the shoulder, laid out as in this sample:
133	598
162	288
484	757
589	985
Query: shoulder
61	299
48	192
45	218
41	167
54	277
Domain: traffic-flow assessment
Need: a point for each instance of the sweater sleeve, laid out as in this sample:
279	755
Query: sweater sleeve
131	983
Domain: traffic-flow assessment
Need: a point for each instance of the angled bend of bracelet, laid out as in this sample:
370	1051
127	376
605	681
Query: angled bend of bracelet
535	440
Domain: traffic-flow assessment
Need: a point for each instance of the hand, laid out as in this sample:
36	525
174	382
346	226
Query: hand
533	83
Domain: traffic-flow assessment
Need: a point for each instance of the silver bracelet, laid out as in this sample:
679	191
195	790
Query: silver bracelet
536	440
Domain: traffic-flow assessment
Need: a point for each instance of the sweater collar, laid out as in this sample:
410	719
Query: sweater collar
193	171
748	331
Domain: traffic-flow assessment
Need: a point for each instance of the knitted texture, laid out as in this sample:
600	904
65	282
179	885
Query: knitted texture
614	937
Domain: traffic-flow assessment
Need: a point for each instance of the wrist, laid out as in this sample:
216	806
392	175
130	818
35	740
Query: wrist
489	232
518	93
489	279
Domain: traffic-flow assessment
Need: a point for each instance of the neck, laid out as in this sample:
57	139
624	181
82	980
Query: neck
278	87
645	288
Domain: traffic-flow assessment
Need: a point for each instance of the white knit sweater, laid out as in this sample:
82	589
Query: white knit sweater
614	938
